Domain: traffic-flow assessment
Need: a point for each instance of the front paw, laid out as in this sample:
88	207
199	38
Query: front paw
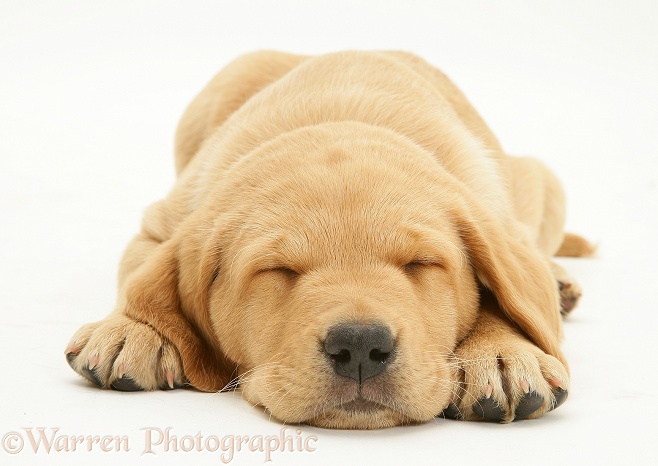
125	355
503	383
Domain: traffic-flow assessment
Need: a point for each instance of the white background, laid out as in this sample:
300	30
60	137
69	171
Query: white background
90	93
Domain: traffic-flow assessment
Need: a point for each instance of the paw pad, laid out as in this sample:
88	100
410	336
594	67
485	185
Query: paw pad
92	376
489	410
528	404
126	384
451	412
569	295
560	397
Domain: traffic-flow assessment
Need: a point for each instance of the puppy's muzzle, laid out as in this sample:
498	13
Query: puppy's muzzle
358	351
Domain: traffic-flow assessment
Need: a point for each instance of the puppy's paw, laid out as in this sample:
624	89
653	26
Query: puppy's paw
125	355
570	291
504	383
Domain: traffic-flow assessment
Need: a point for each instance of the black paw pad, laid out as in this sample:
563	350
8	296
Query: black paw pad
126	384
528	404
567	304
451	412
568	299
489	409
92	376
70	357
560	397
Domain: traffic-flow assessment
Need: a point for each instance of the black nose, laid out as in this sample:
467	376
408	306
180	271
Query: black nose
359	351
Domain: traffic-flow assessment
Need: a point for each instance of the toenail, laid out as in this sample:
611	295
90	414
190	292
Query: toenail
525	386
555	382
170	379
93	362
73	348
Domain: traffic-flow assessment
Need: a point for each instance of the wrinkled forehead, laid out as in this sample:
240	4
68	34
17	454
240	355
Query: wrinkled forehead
338	201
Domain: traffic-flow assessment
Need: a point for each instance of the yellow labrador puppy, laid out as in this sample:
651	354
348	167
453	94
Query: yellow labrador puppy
348	243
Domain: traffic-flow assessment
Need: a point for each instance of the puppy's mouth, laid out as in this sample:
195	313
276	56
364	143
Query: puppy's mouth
361	405
359	413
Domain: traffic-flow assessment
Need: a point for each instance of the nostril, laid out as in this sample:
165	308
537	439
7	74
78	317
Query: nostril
342	357
379	356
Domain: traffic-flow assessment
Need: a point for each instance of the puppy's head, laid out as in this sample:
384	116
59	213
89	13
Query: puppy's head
342	286
338	270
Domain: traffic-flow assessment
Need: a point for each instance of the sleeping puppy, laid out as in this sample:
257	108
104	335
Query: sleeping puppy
348	243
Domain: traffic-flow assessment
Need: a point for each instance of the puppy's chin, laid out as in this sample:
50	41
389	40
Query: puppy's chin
356	414
338	418
360	415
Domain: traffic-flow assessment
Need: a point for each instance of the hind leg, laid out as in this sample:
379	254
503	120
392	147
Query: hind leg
539	203
538	200
224	95
570	291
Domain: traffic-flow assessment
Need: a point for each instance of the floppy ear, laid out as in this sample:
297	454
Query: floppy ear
166	293
517	274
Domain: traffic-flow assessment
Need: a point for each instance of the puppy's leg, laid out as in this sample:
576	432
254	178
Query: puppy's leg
156	337
538	200
124	354
119	352
502	376
570	291
540	204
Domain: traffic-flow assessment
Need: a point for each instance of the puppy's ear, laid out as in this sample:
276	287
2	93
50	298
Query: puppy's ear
517	274
166	293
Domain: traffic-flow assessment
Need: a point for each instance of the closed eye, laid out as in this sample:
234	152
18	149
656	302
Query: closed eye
412	267
286	271
415	266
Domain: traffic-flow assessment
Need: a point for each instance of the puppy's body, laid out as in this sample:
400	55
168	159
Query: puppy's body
348	236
